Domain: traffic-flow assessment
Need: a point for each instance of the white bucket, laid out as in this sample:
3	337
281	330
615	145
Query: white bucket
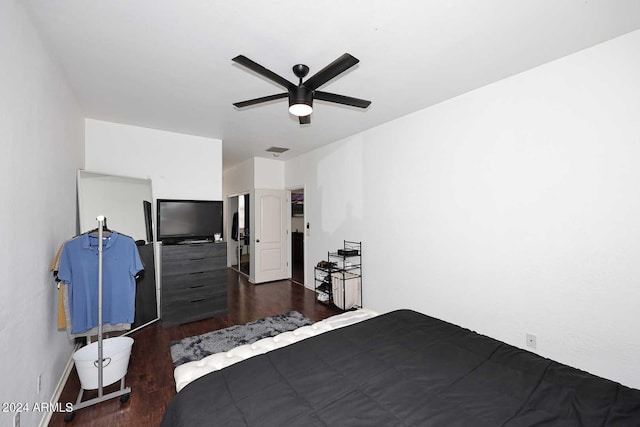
115	361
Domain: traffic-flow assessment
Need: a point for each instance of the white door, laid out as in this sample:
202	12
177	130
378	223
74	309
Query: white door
270	235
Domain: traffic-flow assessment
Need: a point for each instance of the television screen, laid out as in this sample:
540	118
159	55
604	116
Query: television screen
183	220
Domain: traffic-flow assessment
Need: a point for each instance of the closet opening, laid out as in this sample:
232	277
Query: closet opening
239	247
297	236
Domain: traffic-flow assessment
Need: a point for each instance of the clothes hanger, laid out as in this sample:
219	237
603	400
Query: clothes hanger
105	229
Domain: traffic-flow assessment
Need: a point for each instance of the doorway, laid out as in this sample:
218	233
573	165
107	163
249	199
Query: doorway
239	210
297	235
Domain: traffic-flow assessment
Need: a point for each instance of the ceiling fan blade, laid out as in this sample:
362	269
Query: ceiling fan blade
341	99
304	120
338	66
254	66
260	100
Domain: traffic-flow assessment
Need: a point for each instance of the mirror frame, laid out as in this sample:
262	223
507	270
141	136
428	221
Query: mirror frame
121	199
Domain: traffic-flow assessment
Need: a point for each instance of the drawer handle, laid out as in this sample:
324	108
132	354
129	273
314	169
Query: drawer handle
196	286
196	272
197	300
196	259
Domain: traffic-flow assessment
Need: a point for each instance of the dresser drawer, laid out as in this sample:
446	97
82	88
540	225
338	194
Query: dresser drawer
185	307
204	250
191	264
190	295
213	279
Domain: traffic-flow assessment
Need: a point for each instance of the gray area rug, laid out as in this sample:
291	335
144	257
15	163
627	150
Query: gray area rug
199	346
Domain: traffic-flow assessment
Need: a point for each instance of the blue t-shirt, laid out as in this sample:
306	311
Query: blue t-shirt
79	270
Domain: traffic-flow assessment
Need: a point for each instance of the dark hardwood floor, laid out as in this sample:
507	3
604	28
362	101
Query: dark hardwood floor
150	374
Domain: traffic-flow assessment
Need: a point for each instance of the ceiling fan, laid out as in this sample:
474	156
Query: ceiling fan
301	96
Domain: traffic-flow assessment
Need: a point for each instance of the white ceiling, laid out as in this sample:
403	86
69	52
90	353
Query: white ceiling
166	64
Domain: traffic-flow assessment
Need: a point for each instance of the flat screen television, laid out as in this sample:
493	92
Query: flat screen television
181	221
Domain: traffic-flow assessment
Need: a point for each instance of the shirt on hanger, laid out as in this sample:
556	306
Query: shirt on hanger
106	327
79	270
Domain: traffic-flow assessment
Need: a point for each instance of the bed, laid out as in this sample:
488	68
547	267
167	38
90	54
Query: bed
401	369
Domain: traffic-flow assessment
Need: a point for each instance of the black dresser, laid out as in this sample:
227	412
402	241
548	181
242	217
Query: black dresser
194	282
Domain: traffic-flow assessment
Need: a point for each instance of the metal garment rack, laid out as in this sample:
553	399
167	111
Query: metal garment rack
124	392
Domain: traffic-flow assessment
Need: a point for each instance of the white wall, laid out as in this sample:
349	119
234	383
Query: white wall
179	166
239	179
509	210
41	134
254	173
268	174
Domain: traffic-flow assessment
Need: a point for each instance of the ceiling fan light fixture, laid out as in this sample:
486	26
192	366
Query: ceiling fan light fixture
300	110
300	101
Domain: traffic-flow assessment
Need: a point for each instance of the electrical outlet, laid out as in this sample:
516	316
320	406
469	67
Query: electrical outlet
531	340
39	383
16	419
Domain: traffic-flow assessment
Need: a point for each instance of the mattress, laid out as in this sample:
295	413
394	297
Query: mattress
190	371
402	369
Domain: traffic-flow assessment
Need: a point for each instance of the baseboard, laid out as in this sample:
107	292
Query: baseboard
46	419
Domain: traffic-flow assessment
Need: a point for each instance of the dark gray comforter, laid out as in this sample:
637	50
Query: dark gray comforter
402	369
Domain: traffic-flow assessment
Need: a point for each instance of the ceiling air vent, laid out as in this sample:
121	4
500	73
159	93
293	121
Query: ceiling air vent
277	150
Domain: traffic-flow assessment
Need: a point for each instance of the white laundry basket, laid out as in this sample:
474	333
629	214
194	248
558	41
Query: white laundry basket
346	289
115	355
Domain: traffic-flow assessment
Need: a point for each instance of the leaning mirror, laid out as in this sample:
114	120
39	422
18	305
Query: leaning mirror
126	202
